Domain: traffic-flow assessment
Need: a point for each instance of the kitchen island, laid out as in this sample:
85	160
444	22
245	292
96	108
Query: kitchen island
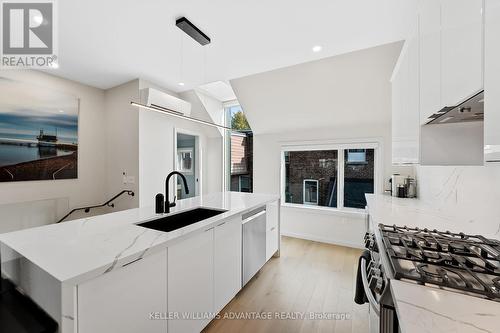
431	308
106	273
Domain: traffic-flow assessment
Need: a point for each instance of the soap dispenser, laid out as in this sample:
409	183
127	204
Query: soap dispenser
159	203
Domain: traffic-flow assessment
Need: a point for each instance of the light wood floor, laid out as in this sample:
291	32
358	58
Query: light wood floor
308	277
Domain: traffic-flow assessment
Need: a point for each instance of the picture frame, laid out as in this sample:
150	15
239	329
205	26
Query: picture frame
185	162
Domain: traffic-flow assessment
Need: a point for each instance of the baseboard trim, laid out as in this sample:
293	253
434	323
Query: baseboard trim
322	240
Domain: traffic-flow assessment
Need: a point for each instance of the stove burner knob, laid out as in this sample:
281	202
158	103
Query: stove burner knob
375	272
370	242
376	284
379	287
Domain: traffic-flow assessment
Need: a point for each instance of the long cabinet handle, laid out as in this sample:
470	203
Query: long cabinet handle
253	217
209	229
131	262
272	229
221	224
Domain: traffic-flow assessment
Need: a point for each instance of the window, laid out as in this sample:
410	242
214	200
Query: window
310	190
334	178
238	150
302	168
359	177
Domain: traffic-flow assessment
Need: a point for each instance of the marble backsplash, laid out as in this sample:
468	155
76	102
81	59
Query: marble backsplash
468	194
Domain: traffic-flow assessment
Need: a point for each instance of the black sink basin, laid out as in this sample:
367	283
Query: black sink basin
182	219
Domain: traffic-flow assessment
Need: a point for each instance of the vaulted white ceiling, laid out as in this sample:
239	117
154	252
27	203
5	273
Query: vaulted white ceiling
106	43
346	91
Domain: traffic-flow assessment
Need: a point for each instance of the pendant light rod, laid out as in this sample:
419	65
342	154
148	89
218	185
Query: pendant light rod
173	113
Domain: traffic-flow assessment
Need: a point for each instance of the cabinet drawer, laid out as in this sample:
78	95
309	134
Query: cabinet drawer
121	300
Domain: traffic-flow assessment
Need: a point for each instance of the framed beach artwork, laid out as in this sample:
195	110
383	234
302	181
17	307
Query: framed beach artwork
38	133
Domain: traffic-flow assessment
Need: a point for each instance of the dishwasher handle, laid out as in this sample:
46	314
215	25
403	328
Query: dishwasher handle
253	217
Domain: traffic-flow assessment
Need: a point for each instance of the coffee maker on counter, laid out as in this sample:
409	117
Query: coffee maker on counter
403	186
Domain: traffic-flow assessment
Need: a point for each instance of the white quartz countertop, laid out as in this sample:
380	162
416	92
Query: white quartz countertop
78	250
422	309
426	308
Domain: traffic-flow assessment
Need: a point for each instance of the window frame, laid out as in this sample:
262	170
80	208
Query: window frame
340	146
310	203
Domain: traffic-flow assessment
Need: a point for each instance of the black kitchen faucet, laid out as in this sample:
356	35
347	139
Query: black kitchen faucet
167	202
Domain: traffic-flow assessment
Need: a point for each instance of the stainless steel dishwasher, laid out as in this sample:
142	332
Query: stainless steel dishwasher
254	242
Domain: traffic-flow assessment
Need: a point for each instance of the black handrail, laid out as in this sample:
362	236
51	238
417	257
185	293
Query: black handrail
108	203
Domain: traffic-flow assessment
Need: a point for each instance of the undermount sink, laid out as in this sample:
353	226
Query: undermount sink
181	219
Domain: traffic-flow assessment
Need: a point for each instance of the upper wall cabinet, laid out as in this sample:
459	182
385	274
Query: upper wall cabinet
430	58
492	81
462	49
442	66
405	102
451	53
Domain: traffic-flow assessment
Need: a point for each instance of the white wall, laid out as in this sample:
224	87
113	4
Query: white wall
156	149
342	99
114	137
122	143
321	225
213	172
55	198
469	195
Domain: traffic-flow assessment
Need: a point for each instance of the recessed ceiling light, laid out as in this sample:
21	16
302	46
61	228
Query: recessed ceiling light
38	19
181	84
317	48
61	111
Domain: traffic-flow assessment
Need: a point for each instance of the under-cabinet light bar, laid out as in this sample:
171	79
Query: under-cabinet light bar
177	114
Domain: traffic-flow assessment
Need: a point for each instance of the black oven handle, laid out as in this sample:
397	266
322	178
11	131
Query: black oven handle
373	302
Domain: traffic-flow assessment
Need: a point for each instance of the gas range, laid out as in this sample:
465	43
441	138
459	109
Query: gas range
455	261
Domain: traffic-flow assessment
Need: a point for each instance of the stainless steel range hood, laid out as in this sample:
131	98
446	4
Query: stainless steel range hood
472	109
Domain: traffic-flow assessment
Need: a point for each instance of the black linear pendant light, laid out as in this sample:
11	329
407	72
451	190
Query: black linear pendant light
190	29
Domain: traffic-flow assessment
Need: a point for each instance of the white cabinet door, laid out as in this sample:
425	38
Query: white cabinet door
227	261
405	113
492	81
398	89
190	282
462	49
430	58
272	229
412	117
122	300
